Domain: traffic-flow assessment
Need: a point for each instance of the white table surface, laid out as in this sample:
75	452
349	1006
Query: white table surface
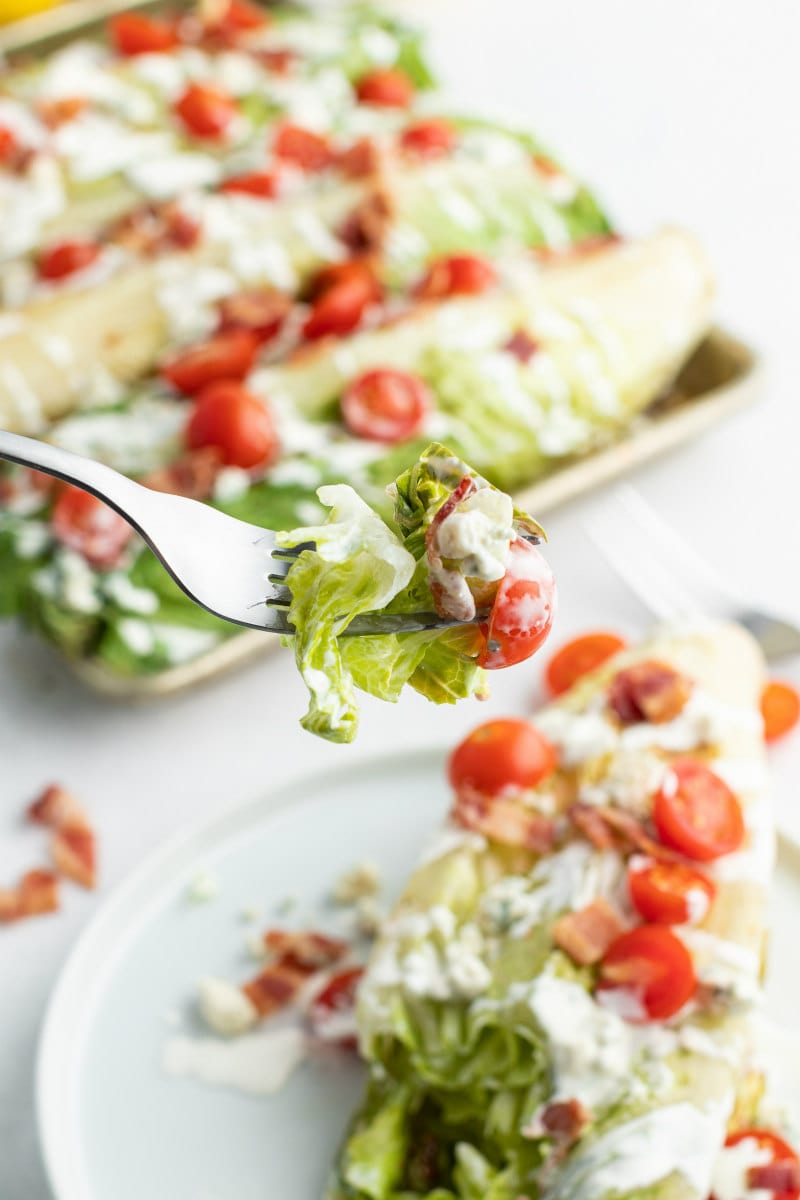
677	111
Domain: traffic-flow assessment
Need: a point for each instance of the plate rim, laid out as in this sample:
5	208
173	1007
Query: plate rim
177	852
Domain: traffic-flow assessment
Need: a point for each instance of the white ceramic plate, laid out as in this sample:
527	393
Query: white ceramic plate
112	1124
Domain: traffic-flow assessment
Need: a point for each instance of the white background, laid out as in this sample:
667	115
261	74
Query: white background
678	110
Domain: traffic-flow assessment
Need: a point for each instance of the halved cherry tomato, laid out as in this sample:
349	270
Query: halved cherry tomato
386	405
331	276
308	150
263	184
261	311
236	423
387	88
651	966
578	657
88	526
333	1009
670	893
780	708
227	355
9	145
239	16
432	138
340	308
458	275
781	1155
503	755
134	33
697	814
57	262
523	610
206	111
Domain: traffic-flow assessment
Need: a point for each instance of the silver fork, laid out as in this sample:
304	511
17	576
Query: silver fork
669	577
234	570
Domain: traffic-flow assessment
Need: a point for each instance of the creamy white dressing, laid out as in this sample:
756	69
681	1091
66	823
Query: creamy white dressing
69	580
704	721
724	964
679	1139
632	780
32	538
118	588
257	1064
231	483
449	840
27	202
729	1180
167	175
579	737
95	146
187	293
134	440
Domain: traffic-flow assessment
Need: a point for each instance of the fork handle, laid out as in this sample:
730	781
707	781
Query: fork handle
121	493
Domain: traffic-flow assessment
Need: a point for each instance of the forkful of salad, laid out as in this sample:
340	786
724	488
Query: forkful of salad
452	583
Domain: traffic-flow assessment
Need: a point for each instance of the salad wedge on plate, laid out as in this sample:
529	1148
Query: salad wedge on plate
517	368
563	1005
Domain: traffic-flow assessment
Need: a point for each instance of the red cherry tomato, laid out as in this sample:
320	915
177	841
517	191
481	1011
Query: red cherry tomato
263	184
458	275
228	355
240	16
668	893
332	1012
134	33
386	405
503	755
523	609
578	658
780	1152
652	967
432	138
87	525
305	149
780	708
206	111
389	88
340	308
353	269
66	258
235	422
697	814
9	145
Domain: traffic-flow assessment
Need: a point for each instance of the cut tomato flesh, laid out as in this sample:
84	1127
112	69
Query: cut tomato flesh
389	88
133	33
386	405
67	258
697	814
652	968
458	275
206	111
670	893
228	355
523	610
234	422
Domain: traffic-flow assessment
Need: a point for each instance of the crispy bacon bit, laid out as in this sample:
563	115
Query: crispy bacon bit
359	160
192	475
589	822
565	1120
504	821
261	310
778	1177
9	905
74	854
305	951
156	228
522	346
276	987
610	828
38	893
35	894
648	691
279	61
587	934
365	229
56	807
58	112
456	603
